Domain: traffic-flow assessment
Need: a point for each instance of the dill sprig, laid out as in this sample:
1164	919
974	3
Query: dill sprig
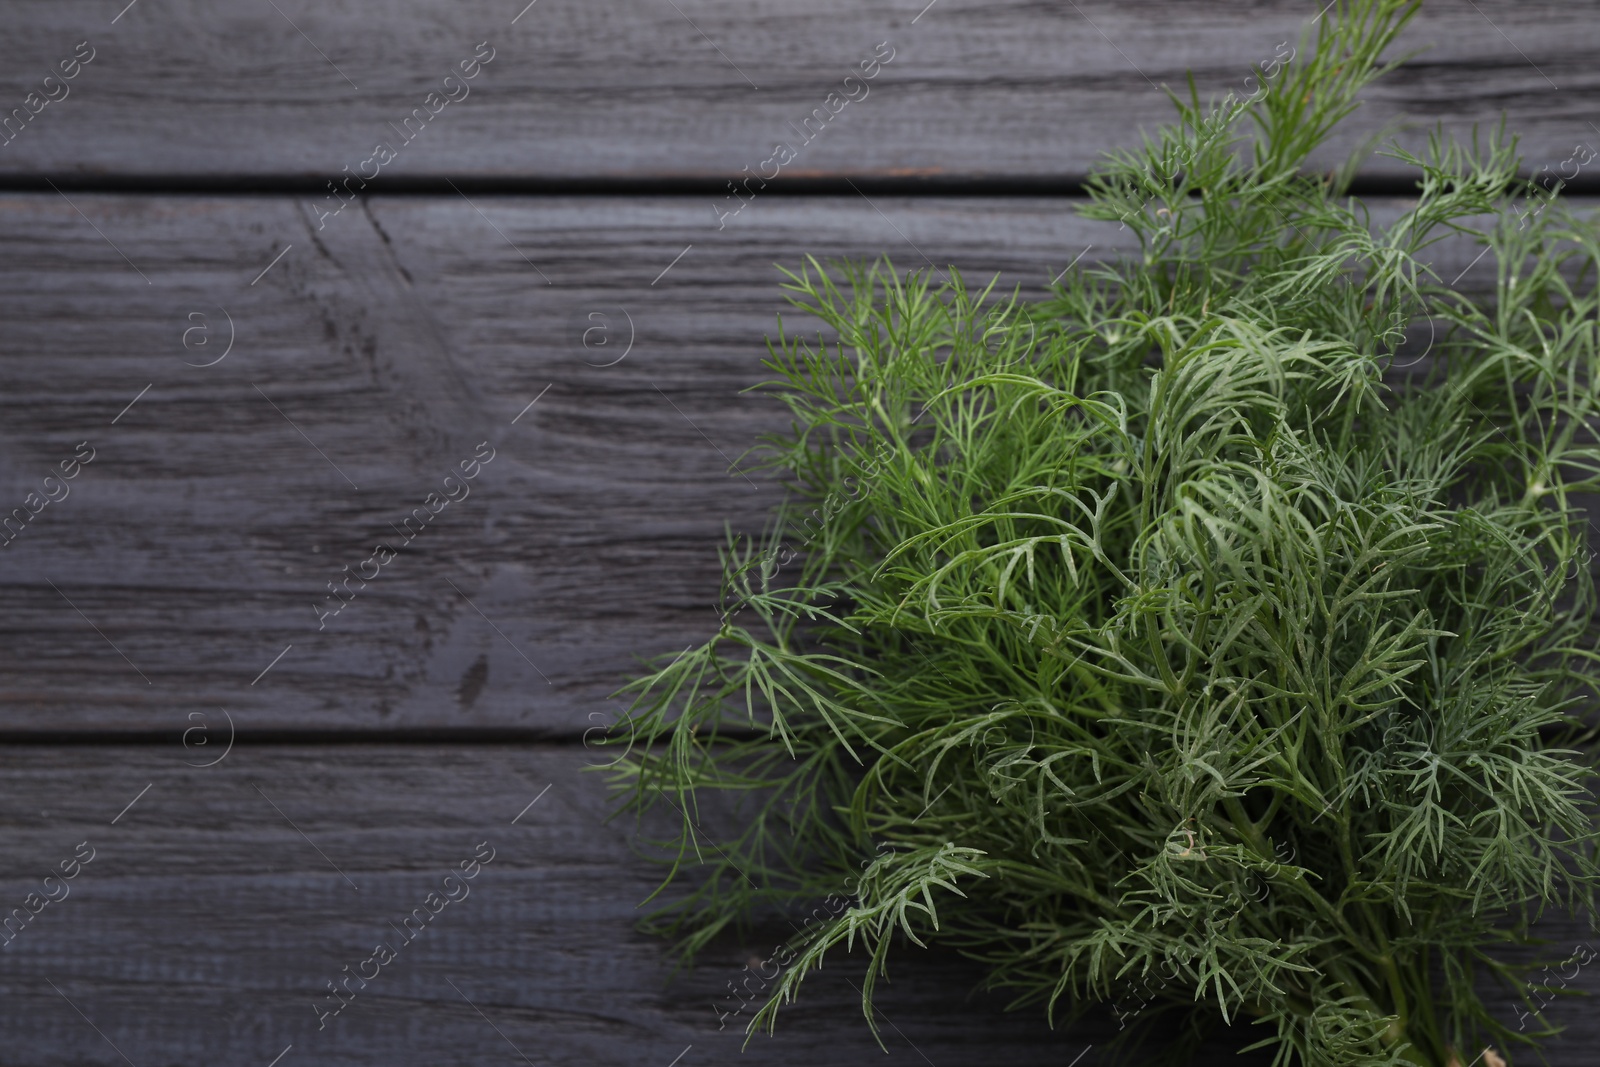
1188	637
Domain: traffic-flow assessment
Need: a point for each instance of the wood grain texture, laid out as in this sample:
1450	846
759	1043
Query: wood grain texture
215	910
198	543
367	363
701	89
369	352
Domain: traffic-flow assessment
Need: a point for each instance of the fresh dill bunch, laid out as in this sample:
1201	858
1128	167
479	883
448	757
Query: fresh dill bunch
1209	639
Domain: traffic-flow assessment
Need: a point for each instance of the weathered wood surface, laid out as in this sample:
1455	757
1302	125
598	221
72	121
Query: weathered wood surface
700	89
173	588
378	353
216	908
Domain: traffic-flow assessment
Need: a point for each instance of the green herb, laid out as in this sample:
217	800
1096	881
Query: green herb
1183	642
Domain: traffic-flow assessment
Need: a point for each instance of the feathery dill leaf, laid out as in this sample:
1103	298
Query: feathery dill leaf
1182	629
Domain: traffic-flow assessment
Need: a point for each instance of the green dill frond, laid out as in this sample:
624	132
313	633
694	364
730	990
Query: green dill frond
1213	635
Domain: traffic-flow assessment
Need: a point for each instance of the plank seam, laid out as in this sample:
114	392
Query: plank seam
1065	186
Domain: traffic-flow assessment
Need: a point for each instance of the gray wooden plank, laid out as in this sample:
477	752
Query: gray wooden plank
702	89
194	549
205	927
385	348
215	909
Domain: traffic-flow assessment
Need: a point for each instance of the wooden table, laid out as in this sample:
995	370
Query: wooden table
271	373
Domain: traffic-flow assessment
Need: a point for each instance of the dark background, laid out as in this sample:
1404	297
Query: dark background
550	240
